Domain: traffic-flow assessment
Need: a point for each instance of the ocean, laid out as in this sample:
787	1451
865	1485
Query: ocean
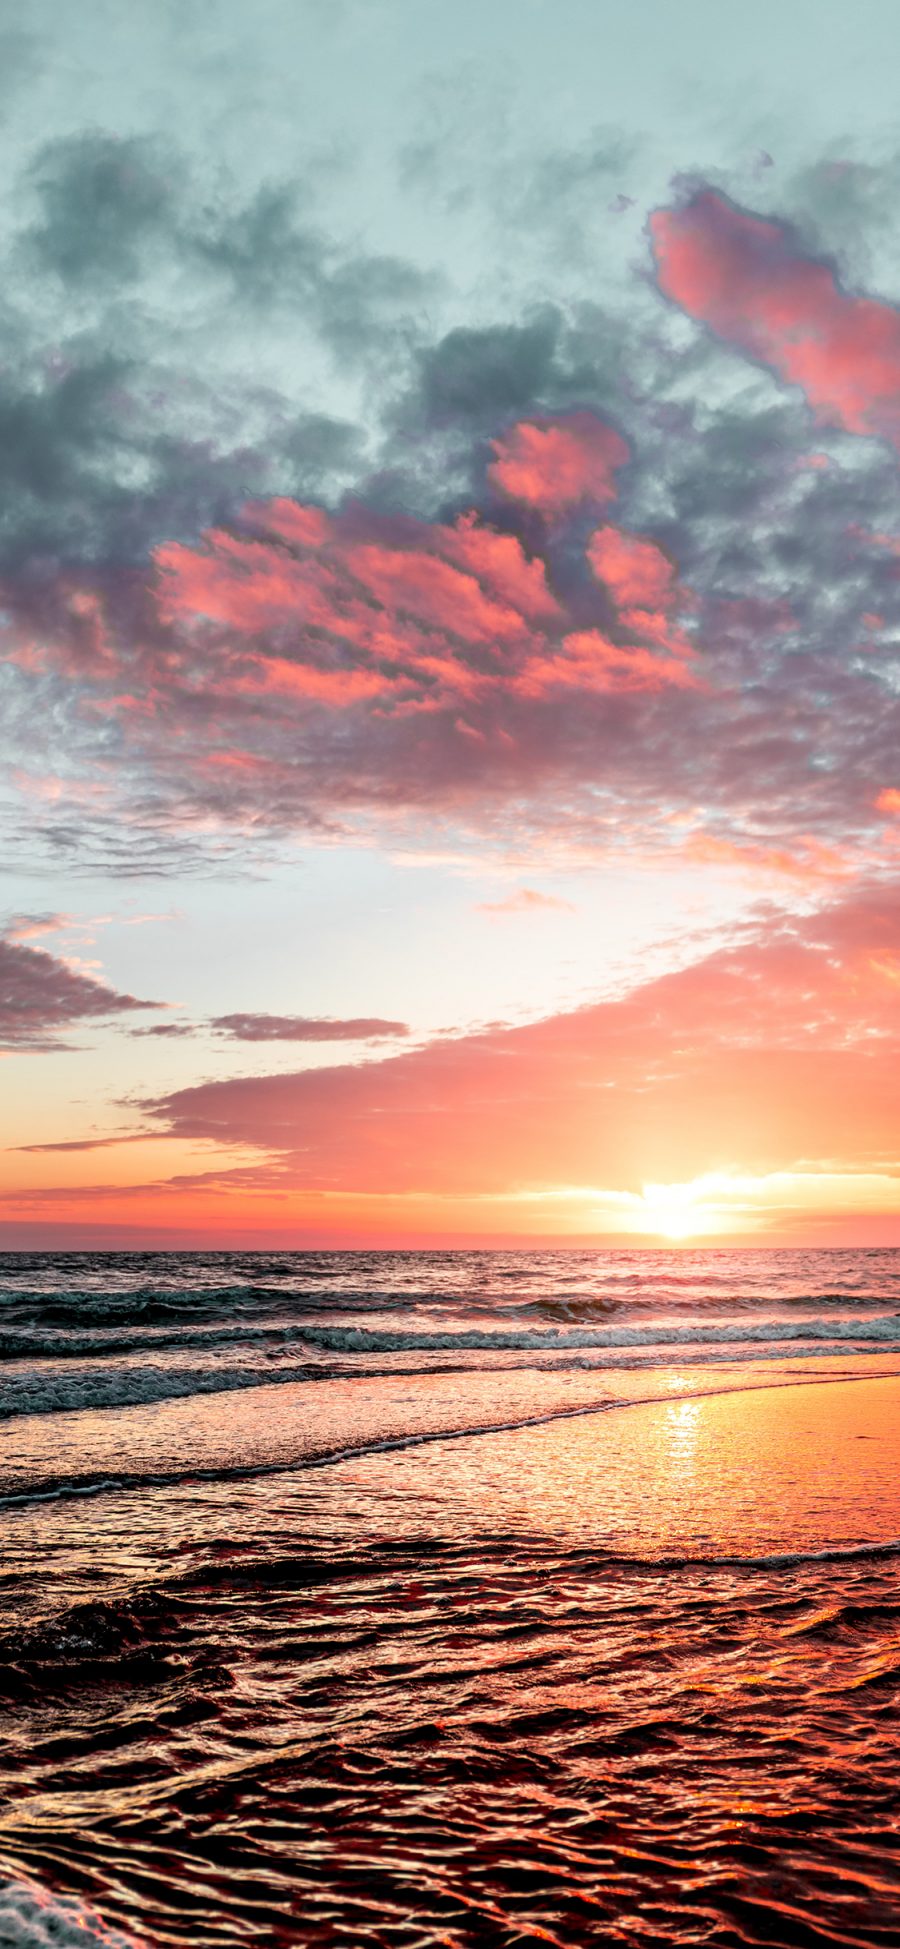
460	1598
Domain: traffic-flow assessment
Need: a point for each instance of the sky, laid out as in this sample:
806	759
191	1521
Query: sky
450	624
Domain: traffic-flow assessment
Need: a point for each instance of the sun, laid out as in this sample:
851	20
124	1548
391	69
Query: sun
672	1210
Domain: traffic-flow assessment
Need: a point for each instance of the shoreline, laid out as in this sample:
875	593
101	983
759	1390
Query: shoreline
28	1469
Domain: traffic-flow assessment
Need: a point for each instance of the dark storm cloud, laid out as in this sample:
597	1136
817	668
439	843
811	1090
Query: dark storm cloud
472	380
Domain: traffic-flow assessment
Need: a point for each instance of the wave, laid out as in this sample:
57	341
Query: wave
24	1342
137	1387
21	1343
353	1339
62	1488
148	1290
49	1390
772	1559
33	1918
145	1304
103	1630
64	1306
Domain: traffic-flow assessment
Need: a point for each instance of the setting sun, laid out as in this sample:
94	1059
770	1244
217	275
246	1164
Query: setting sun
674	1211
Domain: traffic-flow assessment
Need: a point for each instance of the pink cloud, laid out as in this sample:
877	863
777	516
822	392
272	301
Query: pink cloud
737	1060
438	617
30	927
637	573
588	661
552	464
526	900
310	669
745	277
501	565
312	665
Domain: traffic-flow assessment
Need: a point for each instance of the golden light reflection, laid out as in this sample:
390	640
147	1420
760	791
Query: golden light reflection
682	1421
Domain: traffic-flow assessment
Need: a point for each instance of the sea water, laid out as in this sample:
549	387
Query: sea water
461	1598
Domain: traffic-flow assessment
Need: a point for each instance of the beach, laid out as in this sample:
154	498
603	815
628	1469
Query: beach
546	1650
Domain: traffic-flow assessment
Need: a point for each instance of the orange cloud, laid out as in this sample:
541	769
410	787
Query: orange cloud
772	1059
736	1062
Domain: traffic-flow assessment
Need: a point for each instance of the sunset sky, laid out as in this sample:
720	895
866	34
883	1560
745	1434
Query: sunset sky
450	601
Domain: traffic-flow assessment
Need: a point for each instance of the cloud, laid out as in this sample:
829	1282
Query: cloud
306	663
306	668
306	1028
41	997
526	900
571	578
746	278
166	1029
553	464
93	1143
245	1026
486	373
111	210
112	432
30	927
738	1059
103	202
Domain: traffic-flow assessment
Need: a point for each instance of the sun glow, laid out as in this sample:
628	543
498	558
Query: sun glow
676	1211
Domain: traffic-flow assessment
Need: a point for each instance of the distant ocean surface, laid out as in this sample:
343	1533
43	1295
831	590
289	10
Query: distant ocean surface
461	1598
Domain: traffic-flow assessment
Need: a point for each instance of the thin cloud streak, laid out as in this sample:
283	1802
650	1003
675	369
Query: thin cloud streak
306	1028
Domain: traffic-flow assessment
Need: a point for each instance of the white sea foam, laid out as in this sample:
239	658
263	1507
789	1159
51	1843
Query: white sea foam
32	1918
353	1339
60	1388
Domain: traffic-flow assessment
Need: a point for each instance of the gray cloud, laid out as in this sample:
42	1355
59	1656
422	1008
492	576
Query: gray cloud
245	1027
41	997
108	449
102	203
140	415
166	1029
